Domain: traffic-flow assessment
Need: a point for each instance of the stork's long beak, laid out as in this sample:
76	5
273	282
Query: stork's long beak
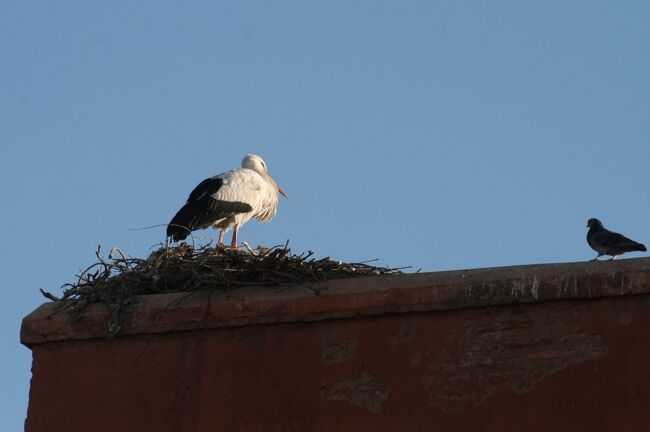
276	185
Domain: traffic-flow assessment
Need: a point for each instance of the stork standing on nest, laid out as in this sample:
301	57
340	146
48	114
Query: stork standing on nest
229	200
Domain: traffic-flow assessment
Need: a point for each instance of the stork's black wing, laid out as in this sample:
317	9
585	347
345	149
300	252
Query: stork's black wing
202	210
208	186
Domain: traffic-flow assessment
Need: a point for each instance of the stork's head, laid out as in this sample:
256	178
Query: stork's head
593	222
257	164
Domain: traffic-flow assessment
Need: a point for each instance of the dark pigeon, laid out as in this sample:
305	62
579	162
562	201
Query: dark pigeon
606	242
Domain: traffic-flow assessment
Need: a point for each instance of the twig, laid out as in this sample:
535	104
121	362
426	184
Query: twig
49	295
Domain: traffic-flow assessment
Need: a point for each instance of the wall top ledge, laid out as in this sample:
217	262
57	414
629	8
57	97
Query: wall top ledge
346	298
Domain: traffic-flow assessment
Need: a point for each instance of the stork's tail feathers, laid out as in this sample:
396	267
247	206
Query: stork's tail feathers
641	247
181	224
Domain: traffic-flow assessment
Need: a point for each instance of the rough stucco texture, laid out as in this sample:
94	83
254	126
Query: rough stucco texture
577	365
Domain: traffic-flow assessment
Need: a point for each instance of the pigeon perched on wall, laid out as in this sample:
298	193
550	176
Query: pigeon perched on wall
606	242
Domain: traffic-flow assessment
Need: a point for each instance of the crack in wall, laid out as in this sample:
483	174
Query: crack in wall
364	391
513	352
335	351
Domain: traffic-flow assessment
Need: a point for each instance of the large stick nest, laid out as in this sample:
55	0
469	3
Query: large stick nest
115	279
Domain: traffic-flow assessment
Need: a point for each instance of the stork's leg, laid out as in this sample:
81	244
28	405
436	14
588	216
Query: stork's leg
614	257
233	243
220	241
597	256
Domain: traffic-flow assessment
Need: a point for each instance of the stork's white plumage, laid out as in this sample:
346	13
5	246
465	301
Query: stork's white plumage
228	200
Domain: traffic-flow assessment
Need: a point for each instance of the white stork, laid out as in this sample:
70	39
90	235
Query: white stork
229	200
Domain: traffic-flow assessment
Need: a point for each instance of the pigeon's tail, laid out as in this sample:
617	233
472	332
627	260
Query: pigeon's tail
632	246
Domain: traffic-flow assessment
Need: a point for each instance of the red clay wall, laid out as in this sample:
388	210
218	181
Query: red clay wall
530	348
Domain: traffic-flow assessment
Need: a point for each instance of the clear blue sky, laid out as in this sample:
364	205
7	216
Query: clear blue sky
436	134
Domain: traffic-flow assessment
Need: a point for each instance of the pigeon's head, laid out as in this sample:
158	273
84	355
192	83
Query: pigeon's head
593	222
